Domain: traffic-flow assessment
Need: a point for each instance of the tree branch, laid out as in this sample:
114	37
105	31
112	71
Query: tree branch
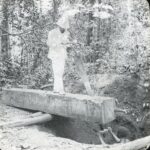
15	34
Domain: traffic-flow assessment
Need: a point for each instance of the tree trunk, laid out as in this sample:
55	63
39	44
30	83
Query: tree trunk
90	28
5	29
82	73
0	32
54	10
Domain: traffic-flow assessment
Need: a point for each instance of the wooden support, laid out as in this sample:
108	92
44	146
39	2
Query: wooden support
113	135
31	120
108	130
101	138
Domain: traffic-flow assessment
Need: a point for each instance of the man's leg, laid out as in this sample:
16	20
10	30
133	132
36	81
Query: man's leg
58	66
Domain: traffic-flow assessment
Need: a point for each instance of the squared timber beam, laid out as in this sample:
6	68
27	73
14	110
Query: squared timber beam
84	107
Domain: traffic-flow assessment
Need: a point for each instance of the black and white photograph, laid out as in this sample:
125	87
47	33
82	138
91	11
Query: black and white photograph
74	74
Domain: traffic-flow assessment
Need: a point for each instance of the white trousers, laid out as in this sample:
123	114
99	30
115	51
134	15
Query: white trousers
58	66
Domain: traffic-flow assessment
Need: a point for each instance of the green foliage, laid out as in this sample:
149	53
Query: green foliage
9	72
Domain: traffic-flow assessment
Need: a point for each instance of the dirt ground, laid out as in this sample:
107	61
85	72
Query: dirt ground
62	133
37	137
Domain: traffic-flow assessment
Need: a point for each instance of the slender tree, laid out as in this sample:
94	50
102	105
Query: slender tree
5	30
90	28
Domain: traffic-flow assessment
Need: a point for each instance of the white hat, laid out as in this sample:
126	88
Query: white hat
63	22
102	14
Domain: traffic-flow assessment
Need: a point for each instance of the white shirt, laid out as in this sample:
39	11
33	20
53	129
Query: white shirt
57	43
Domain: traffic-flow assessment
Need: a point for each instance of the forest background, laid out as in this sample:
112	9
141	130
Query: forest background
115	50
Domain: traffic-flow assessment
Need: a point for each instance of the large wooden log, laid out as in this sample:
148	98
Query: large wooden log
31	120
138	144
84	107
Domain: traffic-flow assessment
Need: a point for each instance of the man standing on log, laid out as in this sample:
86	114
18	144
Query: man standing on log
58	39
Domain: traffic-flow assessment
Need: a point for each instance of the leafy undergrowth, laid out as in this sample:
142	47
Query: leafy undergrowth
131	94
